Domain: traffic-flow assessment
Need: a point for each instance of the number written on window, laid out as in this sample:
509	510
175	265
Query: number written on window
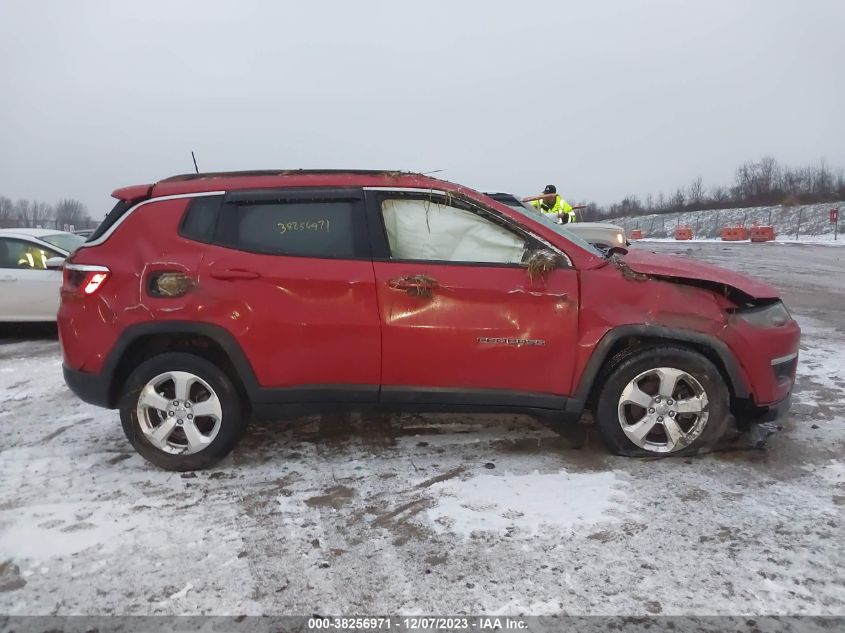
304	225
304	228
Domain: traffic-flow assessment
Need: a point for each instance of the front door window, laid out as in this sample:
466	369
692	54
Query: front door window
426	230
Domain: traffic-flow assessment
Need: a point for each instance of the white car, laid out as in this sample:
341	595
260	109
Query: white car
31	272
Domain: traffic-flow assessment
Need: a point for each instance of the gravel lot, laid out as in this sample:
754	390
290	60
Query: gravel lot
433	514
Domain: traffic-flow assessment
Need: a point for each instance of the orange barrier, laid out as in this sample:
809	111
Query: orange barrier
635	234
734	233
683	233
762	233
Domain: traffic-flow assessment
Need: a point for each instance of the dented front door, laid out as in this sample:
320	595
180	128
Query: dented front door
460	314
476	327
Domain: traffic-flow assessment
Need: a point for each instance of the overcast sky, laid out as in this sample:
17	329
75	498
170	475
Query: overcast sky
600	98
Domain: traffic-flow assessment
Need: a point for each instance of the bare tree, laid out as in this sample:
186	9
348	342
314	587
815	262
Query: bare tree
823	181
744	179
696	192
21	212
719	194
761	182
32	212
767	176
7	209
678	200
632	203
69	211
592	212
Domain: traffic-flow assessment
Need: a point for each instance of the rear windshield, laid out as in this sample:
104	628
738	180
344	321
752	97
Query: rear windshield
113	216
65	241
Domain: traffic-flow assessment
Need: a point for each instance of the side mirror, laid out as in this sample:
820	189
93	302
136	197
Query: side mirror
55	263
541	262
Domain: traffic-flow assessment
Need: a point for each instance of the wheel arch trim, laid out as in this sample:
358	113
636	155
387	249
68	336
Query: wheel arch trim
601	353
215	333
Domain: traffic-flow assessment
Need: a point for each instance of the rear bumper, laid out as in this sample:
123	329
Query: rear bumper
91	388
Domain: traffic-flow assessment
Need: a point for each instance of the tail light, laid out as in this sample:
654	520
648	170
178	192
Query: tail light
84	278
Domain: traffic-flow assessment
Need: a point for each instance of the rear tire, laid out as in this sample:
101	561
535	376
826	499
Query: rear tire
663	401
181	412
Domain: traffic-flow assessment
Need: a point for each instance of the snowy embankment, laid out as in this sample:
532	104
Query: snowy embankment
814	220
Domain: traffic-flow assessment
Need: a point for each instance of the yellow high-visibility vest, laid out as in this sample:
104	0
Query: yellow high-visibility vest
560	206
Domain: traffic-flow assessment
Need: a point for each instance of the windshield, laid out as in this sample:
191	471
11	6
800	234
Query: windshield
530	212
65	241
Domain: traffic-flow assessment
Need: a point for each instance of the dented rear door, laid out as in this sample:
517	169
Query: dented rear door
290	275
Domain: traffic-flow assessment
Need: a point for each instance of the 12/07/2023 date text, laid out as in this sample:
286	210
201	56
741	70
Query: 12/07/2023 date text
417	623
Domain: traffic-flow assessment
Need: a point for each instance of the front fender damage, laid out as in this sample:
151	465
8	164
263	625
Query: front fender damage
615	296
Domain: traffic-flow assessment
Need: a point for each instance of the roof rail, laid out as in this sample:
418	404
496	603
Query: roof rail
286	172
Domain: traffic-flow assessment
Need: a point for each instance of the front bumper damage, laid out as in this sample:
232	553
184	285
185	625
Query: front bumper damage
747	416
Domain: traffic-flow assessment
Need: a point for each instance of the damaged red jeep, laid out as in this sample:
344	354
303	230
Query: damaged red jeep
205	299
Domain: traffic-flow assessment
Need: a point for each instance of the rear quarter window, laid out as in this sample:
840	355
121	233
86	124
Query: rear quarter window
200	219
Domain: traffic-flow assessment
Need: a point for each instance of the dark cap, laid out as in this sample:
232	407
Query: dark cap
550	189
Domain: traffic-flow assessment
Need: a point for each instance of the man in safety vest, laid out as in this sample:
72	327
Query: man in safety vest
550	203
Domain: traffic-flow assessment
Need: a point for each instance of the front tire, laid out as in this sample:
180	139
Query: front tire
663	401
181	412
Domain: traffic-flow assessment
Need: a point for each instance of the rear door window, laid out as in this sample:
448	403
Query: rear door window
304	228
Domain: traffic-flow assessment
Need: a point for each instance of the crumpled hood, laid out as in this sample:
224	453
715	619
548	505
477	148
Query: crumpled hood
682	268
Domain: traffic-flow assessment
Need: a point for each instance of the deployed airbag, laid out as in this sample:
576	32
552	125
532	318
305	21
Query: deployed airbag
426	230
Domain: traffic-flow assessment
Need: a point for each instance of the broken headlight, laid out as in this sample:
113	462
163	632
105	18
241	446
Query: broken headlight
767	316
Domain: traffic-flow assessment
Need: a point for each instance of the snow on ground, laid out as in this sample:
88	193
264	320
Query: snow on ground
432	514
491	503
815	240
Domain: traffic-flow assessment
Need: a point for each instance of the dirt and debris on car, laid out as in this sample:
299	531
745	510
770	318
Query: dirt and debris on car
398	290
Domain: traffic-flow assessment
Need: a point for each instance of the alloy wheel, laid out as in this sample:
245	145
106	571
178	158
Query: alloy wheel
663	410
179	412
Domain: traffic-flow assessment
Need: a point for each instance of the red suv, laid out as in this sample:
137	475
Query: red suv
205	299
